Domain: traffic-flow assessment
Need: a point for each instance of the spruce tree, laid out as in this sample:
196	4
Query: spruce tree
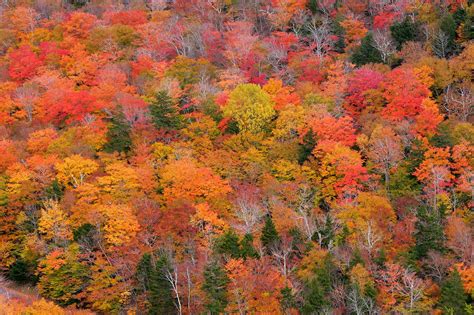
306	147
246	247
403	32
118	135
215	287
160	296
366	52
317	289
270	235
228	244
163	113
429	233
452	298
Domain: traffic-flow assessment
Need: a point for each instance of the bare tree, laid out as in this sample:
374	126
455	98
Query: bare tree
440	44
459	100
304	209
360	304
282	252
249	210
320	35
384	44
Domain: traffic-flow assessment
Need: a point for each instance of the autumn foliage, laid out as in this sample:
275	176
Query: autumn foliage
236	157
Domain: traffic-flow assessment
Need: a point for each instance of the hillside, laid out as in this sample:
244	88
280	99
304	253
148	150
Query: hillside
237	156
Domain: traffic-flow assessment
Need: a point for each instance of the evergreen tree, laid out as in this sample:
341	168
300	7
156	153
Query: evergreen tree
288	300
118	135
403	32
246	247
317	290
306	148
366	52
160	296
215	287
163	113
429	233
228	244
144	271
453	298
270	235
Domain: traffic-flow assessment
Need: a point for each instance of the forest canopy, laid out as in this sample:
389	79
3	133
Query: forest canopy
237	156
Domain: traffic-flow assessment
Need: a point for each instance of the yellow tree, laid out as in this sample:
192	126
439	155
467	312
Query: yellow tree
54	223
370	220
74	170
120	182
121	224
251	107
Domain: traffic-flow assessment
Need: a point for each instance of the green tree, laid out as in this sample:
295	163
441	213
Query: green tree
403	32
269	235
118	135
366	52
228	244
453	298
161	299
246	247
429	233
251	107
317	289
62	277
215	287
151	278
164	113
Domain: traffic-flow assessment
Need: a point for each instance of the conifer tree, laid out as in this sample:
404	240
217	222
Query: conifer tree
270	235
429	233
366	52
452	298
215	287
118	135
160	298
163	113
228	244
246	247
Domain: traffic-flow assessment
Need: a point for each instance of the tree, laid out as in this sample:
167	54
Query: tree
24	63
453	298
366	52
62	277
228	244
74	170
118	135
214	286
54	223
429	233
403	32
251	107
164	113
161	299
269	237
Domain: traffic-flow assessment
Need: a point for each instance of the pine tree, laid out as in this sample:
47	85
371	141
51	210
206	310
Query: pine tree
215	287
366	52
118	135
228	244
246	247
270	235
163	113
429	233
306	148
403	32
317	290
452	298
160	296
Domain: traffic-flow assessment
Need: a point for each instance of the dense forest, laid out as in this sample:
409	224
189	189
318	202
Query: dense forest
237	156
